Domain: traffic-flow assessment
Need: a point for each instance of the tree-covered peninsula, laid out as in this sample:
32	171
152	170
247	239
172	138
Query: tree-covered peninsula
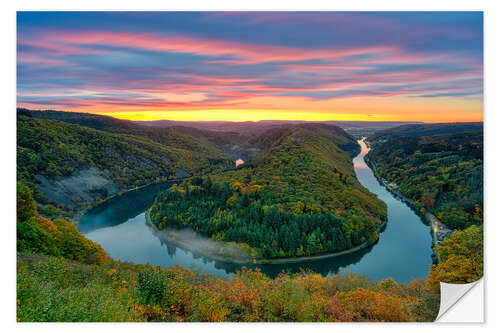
299	197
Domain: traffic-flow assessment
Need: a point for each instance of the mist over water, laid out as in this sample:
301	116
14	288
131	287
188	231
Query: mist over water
403	251
133	241
197	244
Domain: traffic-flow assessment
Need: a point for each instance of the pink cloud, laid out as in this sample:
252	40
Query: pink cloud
67	42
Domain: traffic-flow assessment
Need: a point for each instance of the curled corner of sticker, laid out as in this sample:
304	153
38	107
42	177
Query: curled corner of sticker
453	295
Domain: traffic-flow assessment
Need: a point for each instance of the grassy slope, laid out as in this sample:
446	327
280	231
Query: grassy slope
57	289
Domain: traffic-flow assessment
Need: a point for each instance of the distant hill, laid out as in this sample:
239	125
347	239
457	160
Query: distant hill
241	130
353	127
224	126
99	122
426	130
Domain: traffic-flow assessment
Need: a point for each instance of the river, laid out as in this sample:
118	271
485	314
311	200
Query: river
403	251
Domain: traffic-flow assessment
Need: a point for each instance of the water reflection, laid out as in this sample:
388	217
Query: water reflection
121	208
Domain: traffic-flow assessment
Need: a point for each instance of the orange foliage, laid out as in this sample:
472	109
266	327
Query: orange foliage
369	305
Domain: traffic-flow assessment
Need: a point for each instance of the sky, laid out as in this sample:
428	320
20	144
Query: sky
240	66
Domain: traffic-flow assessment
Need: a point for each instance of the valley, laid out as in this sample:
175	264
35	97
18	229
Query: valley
304	200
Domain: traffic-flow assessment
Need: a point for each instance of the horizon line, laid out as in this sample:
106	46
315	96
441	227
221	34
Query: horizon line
104	114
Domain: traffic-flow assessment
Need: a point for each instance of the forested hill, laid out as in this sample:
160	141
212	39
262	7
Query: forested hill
238	140
206	142
99	122
441	173
412	130
334	134
70	166
300	196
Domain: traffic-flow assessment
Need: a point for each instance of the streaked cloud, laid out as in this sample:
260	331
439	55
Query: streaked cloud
288	62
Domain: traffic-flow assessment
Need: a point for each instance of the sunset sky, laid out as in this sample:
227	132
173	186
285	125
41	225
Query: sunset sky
253	66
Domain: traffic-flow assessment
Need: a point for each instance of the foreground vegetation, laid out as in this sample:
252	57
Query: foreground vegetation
299	197
64	286
461	258
440	173
57	237
56	289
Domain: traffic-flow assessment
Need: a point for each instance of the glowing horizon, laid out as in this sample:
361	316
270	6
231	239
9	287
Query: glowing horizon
265	115
214	66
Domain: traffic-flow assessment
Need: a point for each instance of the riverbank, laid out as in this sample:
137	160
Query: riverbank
95	204
76	219
436	227
173	238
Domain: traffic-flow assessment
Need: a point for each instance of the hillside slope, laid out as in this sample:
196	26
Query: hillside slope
178	137
299	197
412	130
71	166
233	143
441	173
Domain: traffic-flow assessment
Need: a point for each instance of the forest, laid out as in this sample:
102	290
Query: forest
299	197
428	129
440	173
55	151
61	276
